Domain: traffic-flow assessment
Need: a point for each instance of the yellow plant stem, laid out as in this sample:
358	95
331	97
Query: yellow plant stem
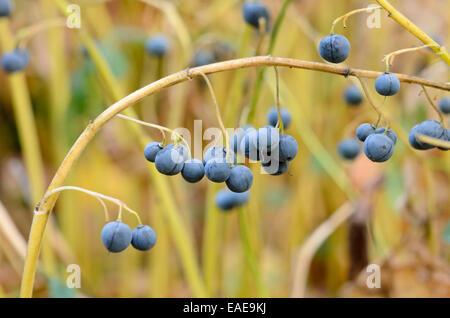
415	30
249	252
347	15
180	235
389	58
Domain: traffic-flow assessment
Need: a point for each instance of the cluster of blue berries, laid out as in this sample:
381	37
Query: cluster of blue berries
267	145
227	200
430	128
379	143
219	165
335	48
117	236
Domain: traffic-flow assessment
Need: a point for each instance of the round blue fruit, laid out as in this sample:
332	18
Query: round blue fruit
288	148
227	200
5	8
218	152
334	48
157	45
116	236
387	84
390	133
240	180
203	57
352	95
151	150
217	170
236	138
378	147
268	140
253	11
170	159
193	170
430	128
364	130
275	168
143	238
444	105
272	117
250	145
15	61
349	148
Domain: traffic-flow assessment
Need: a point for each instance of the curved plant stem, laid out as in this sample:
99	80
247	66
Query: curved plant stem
347	15
312	244
433	141
25	34
389	58
441	118
161	128
377	109
280	123
219	117
96	195
40	221
415	30
249	253
259	79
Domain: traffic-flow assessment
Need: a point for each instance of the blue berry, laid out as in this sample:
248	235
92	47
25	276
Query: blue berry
390	133
170	159
364	130
349	148
334	48
217	152
288	148
193	170
431	128
157	45
252	11
217	170
378	147
240	180
272	117
352	95
268	140
275	168
250	145
151	150
236	138
116	236
143	238
444	105
15	61
227	200
5	8
387	84
203	57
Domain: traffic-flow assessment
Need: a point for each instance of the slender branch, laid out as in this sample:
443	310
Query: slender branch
433	105
25	34
40	221
415	30
347	15
219	117
161	128
97	195
280	123
389	58
433	141
312	244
